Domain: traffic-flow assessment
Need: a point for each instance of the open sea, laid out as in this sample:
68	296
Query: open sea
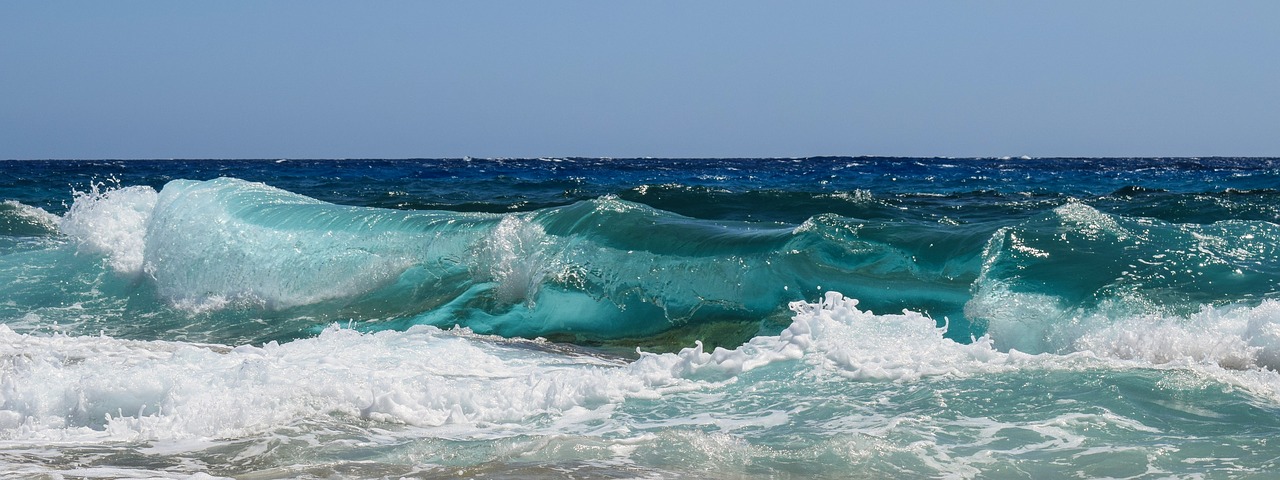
641	318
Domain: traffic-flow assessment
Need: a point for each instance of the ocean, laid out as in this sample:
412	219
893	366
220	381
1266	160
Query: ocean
828	317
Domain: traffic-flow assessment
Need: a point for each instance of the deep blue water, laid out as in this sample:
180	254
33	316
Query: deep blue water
641	317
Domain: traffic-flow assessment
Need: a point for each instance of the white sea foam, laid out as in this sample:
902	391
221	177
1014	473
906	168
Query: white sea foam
34	215
515	256
62	388
459	386
112	222
834	336
1235	337
1238	336
67	388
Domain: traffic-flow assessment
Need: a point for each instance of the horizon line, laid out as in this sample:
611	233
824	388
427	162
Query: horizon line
575	157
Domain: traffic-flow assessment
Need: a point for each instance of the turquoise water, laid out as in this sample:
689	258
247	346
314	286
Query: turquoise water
830	317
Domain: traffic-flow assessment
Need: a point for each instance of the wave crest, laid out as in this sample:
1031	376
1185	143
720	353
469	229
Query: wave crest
112	222
1048	282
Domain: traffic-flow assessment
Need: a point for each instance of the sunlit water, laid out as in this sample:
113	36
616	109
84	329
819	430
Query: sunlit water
825	317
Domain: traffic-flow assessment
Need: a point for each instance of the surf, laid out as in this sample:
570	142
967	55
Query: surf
665	318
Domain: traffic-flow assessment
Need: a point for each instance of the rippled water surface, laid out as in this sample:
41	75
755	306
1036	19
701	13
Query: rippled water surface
829	317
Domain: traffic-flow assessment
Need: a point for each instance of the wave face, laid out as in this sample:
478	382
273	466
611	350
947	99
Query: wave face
595	271
1049	281
668	318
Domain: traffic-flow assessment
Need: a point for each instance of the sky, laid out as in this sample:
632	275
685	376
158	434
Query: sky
414	79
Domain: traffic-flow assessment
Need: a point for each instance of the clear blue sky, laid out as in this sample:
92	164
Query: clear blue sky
389	79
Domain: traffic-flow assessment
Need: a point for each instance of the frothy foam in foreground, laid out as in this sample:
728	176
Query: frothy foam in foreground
64	388
460	387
